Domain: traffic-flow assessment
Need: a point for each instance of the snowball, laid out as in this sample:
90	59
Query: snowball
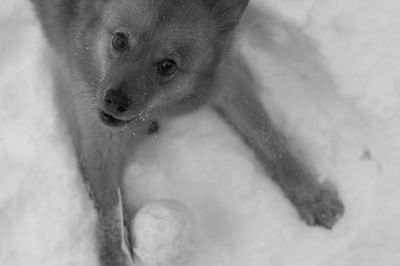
163	233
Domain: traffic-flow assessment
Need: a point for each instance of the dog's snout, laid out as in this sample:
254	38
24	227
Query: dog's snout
117	102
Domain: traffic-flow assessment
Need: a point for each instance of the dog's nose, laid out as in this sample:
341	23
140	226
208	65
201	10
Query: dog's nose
117	102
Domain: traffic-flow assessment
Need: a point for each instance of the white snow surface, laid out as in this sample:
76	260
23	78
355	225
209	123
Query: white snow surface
331	81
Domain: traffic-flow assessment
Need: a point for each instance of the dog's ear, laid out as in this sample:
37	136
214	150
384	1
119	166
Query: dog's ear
227	12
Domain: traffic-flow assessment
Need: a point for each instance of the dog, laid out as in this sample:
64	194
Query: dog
134	65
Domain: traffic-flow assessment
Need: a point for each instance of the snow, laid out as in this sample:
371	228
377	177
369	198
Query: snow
164	233
330	73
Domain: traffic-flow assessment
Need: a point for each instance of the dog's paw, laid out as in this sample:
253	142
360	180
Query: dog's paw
114	236
324	209
115	257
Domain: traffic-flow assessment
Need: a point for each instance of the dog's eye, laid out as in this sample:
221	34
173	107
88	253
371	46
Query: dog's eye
120	42
167	67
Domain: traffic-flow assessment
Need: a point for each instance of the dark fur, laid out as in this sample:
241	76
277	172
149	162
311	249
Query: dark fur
199	35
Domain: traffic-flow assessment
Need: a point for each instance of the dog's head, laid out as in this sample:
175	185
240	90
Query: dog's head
154	58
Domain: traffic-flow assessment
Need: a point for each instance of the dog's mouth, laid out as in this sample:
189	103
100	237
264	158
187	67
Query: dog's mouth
111	121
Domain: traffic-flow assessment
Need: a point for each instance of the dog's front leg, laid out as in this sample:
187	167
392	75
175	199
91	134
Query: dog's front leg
102	160
317	204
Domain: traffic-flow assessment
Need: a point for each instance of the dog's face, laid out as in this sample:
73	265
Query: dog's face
154	58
